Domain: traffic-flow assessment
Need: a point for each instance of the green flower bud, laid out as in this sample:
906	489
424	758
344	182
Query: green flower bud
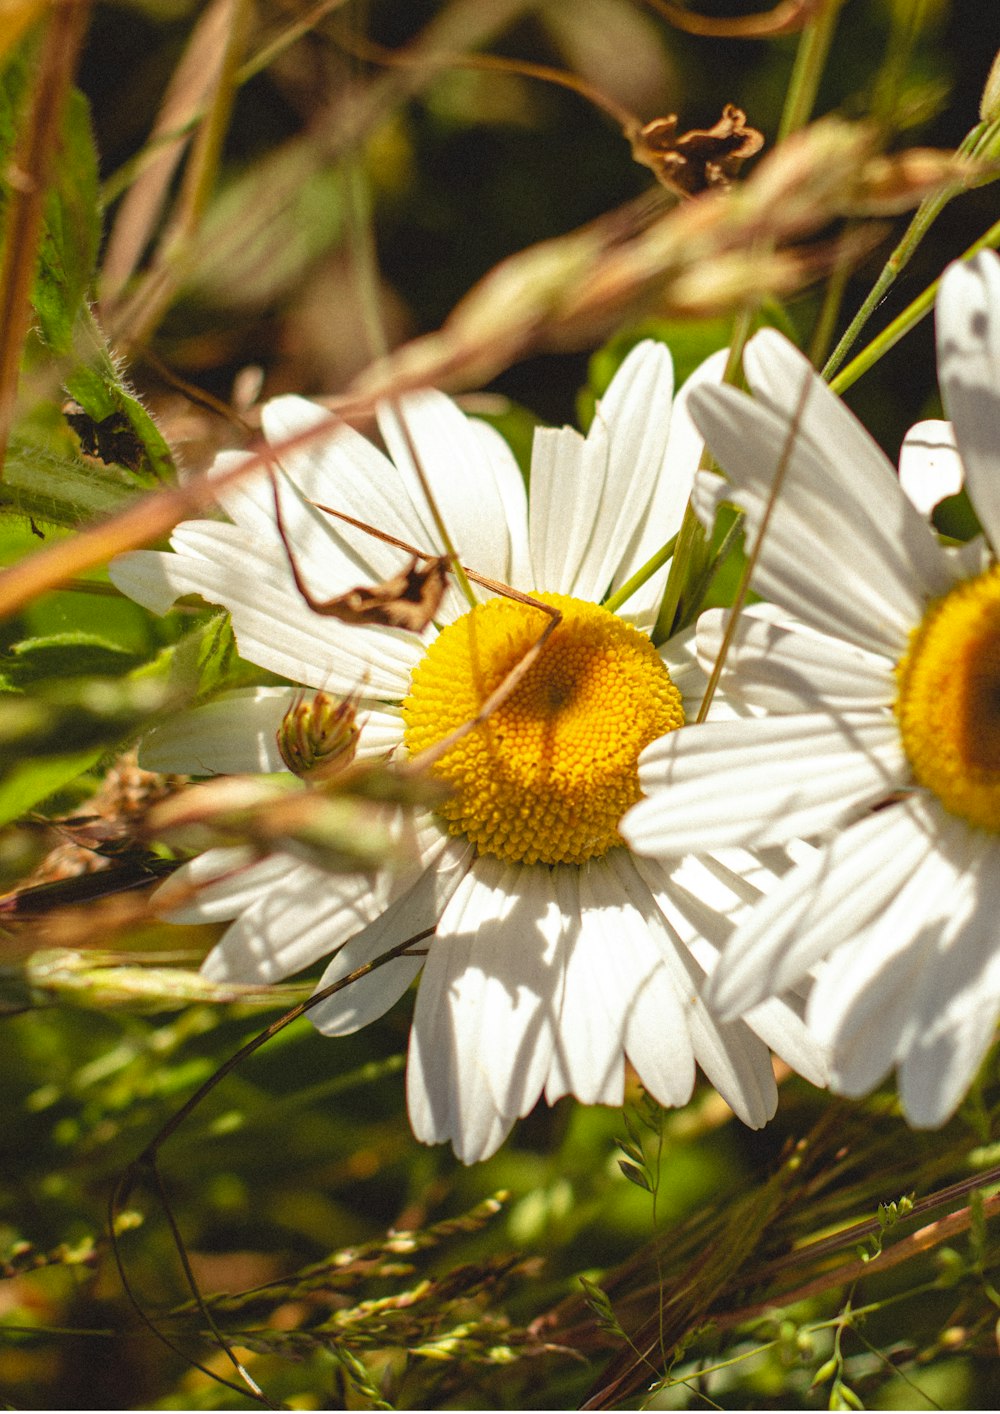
318	736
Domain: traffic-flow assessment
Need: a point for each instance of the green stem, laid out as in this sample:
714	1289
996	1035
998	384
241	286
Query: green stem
903	323
614	601
978	144
687	537
810	60
833	297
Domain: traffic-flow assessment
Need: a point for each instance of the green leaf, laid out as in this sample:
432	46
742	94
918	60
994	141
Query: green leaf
63	655
635	1175
71	227
31	782
122	431
59	489
74	716
203	663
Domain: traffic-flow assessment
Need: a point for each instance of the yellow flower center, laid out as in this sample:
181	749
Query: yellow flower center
949	700
549	774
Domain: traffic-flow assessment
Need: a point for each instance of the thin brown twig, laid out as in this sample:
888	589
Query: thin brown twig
362	47
924	1240
194	394
857	1232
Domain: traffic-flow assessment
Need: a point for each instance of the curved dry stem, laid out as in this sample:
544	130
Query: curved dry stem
786	17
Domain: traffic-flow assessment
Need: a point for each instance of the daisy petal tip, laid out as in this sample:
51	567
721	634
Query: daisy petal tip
930	467
217	967
140	575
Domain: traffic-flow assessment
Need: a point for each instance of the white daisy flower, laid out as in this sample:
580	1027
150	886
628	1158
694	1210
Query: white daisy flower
556	954
878	663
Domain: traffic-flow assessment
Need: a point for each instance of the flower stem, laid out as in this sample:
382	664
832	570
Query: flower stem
910	317
810	59
982	142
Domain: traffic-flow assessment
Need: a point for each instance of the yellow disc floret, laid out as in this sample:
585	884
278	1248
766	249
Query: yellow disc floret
550	772
949	700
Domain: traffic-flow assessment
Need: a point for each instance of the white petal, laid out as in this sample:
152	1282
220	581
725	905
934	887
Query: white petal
698	896
381	732
780	1025
486	1008
844	549
248	501
732	1057
294	921
310	912
417	910
757	782
968	348
567	480
780	665
226	880
461	474
619	997
514	497
863	1002
325	561
588	1058
658	1022
144	575
934	1076
346	472
672	487
955	1011
822	904
777	372
636	413
679	656
930	467
274	627
233	735
589	494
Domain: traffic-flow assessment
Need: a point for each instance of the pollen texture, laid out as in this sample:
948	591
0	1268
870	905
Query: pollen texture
948	704
550	772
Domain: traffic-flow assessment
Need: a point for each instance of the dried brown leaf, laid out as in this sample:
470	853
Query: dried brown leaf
409	599
699	159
